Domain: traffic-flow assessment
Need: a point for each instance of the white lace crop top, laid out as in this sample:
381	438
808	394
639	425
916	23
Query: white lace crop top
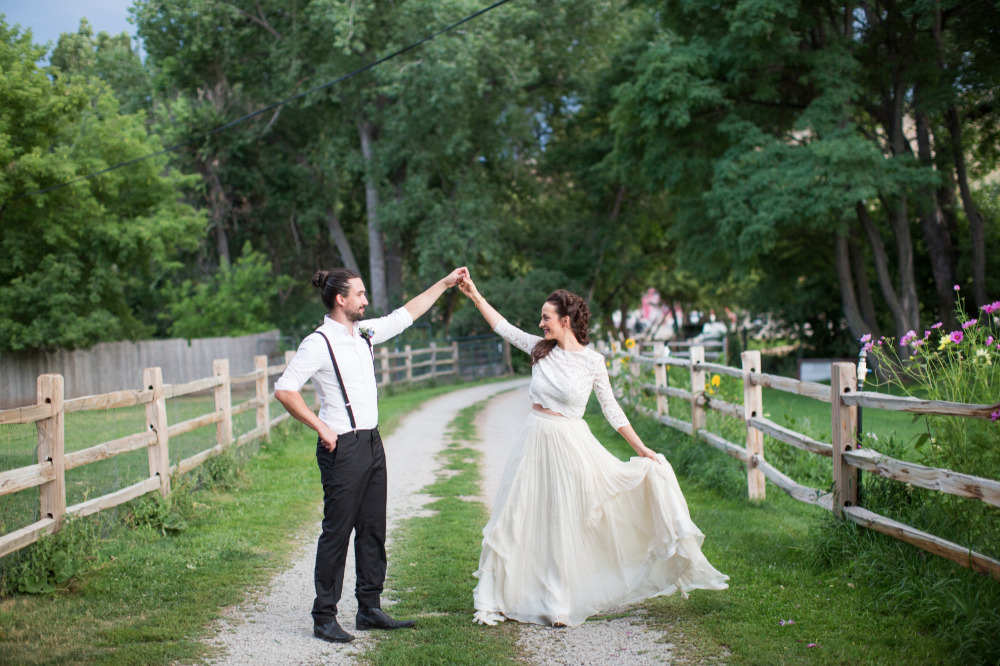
562	381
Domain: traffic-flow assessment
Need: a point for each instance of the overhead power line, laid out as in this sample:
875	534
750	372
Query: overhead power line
269	107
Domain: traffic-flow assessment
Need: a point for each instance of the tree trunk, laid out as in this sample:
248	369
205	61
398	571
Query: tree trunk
881	262
935	229
340	240
848	298
217	200
376	244
862	287
976	230
908	302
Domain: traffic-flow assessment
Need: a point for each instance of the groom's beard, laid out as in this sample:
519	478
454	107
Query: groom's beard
356	315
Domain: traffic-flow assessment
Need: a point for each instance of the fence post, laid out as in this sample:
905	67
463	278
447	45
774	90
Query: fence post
156	420
52	448
635	393
223	403
434	360
454	358
507	362
261	393
383	358
660	375
409	363
844	421
697	389
753	405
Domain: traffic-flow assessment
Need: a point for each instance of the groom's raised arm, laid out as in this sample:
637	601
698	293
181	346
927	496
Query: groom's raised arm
418	305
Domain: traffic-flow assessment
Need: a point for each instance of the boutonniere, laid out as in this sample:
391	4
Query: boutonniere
366	333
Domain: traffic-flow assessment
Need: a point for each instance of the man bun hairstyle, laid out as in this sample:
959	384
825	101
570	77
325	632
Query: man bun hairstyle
567	304
331	283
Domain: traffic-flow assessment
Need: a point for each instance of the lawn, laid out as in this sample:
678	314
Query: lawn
149	596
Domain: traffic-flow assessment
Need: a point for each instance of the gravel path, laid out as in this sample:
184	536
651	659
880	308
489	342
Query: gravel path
273	626
620	641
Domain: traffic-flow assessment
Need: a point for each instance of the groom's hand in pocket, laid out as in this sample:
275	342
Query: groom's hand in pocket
328	437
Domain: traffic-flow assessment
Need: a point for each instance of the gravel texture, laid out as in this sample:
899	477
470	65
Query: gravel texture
273	625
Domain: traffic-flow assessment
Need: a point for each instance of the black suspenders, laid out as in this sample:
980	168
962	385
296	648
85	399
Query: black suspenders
340	379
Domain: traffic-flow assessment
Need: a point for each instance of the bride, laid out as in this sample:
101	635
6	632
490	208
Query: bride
574	530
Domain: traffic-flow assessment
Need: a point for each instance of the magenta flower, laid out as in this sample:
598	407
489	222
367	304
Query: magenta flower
989	340
990	308
927	334
957	336
866	337
937	325
995	415
957	287
971	322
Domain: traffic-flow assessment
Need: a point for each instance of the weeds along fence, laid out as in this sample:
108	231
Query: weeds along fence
845	454
125	444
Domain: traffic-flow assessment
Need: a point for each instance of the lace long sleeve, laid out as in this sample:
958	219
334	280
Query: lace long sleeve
606	397
515	336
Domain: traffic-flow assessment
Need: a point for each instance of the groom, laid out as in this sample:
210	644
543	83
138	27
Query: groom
340	361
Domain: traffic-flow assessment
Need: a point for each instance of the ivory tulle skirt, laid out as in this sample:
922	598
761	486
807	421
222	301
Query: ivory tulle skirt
576	531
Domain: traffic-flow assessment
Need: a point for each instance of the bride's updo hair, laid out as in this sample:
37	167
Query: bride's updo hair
331	283
567	304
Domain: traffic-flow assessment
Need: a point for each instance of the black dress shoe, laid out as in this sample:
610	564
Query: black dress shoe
332	632
376	618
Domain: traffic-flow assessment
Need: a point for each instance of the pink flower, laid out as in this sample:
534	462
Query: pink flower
927	334
937	325
957	336
866	337
971	322
814	645
995	415
990	308
957	287
989	340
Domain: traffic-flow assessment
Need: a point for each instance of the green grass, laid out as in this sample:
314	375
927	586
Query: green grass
149	598
431	566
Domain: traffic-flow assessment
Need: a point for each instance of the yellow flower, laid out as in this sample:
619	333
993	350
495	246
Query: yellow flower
629	343
945	340
607	363
716	380
623	360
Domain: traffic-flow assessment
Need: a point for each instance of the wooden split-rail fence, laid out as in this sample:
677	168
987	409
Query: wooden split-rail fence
54	460
847	458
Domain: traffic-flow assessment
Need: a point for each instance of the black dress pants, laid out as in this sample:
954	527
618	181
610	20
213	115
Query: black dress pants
354	497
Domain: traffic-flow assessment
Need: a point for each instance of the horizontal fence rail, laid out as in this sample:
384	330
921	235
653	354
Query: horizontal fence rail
48	415
847	457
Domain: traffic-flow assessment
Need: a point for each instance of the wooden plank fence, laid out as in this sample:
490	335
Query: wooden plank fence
48	414
846	457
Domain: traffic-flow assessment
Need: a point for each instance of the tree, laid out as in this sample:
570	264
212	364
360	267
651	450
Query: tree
773	123
82	263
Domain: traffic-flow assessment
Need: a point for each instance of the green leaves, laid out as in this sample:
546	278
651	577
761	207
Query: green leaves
78	258
237	300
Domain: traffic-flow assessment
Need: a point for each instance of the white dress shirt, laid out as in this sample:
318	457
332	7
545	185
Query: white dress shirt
312	360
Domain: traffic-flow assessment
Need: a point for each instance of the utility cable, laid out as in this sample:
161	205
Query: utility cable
269	107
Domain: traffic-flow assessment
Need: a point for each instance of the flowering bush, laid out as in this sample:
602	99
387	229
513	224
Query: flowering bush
958	366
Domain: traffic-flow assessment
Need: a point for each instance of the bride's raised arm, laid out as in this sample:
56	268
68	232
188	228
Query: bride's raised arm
491	316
